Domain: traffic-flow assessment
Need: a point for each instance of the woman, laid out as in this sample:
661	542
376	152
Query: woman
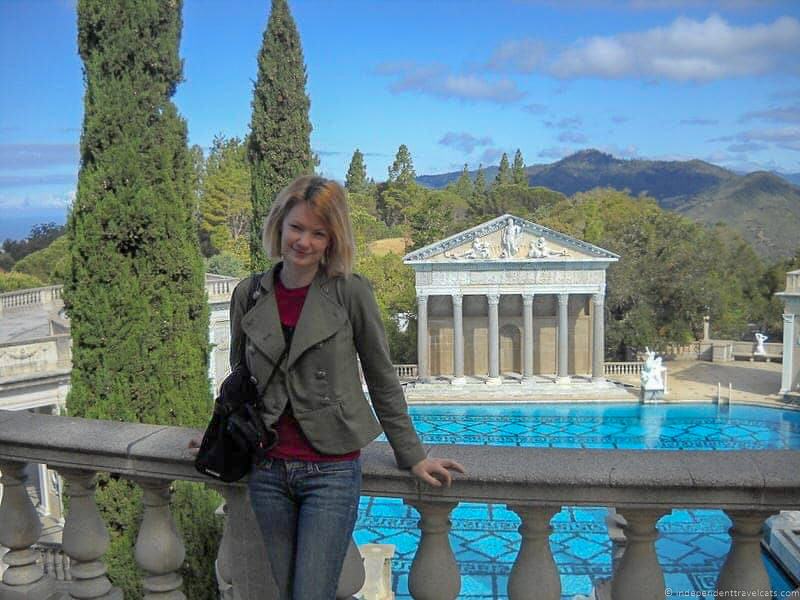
311	320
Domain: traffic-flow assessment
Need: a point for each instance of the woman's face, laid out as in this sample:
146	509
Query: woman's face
304	238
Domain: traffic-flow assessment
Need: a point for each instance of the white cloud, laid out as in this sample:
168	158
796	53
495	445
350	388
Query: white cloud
491	156
572	137
437	80
28	201
781	114
699	121
521	56
535	109
36	156
565	123
465	142
686	50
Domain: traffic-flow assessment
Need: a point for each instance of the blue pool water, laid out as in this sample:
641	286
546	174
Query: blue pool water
692	544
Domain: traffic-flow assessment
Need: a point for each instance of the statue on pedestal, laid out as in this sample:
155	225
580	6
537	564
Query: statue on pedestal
652	376
760	339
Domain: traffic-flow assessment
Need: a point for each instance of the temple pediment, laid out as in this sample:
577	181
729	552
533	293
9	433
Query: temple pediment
509	239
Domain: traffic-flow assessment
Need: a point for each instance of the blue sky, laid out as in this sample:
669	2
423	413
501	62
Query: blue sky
457	81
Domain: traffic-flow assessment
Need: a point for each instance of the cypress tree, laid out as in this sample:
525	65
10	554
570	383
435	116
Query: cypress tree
356	180
504	171
518	169
135	295
279	144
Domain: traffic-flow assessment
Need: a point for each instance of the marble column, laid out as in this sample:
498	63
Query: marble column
563	337
494	338
789	334
422	338
598	336
527	321
458	339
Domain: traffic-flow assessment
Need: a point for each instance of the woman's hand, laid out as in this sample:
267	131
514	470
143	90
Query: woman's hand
194	445
435	471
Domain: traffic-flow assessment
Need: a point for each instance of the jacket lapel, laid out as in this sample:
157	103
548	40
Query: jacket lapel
320	318
261	324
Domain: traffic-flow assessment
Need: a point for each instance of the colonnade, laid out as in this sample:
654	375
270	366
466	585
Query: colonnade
562	375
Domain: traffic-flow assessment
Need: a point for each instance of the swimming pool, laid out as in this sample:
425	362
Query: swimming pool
692	544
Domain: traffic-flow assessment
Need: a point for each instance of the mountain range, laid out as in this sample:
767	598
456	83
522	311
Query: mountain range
763	206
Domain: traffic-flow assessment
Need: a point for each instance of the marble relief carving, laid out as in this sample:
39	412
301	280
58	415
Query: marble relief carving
445	278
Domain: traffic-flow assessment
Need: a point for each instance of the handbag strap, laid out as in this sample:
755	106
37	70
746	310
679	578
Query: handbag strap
251	302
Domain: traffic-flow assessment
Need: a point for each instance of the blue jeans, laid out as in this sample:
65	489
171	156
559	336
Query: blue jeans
306	512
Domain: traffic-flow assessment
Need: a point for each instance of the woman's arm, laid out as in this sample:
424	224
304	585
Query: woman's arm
385	390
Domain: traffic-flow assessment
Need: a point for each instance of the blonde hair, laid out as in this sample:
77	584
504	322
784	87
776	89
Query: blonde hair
328	201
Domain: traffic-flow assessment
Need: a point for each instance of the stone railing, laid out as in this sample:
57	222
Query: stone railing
217	287
21	299
535	483
622	368
406	372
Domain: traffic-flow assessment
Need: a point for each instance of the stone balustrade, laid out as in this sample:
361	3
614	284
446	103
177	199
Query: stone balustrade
534	483
28	298
406	372
622	368
217	287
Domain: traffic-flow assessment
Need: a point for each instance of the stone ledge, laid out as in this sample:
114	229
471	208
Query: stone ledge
766	480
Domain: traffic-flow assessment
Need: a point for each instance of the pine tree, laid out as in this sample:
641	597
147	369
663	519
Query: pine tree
356	180
463	185
503	172
279	144
518	169
402	170
135	294
477	203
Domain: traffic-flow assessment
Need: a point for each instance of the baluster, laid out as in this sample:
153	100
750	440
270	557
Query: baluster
85	539
534	575
434	572
639	576
744	570
353	575
159	549
19	530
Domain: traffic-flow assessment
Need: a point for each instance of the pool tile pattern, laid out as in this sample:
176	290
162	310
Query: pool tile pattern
692	545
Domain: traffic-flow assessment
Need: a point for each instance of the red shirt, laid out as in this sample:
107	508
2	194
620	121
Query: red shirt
292	442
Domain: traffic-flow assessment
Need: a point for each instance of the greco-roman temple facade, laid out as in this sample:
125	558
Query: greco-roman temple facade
510	299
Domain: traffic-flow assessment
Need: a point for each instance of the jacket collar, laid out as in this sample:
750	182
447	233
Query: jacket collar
321	317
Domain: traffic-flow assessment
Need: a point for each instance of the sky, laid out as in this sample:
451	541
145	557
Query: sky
457	81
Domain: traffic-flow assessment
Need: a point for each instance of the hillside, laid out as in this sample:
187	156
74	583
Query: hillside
762	206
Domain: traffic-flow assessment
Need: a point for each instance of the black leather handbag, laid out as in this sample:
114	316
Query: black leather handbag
236	429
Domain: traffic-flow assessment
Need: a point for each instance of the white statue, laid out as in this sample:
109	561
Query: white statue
539	249
760	339
510	239
479	250
652	377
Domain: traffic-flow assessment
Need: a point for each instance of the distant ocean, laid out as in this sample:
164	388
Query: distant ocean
15	224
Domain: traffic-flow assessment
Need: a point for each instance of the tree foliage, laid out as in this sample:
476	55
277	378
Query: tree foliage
672	271
401	172
518	176
135	293
225	208
504	175
356	179
50	265
41	236
279	144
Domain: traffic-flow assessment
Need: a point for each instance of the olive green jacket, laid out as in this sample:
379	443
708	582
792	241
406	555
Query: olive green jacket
319	379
